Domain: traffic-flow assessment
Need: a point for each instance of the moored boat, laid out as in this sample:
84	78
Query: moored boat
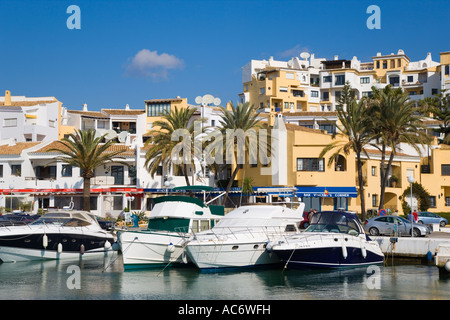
171	222
240	238
56	235
334	239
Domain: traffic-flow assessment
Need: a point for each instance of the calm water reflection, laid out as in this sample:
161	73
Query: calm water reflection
106	280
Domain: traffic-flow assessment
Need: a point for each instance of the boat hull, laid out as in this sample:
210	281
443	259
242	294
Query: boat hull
327	257
230	254
147	249
30	247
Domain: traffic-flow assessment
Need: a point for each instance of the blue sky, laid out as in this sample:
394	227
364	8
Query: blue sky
130	51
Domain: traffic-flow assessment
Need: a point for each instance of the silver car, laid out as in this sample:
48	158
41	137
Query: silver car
388	225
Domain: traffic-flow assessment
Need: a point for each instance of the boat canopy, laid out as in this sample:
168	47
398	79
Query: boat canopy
335	221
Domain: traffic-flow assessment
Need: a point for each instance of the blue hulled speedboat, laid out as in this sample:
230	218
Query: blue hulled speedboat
335	239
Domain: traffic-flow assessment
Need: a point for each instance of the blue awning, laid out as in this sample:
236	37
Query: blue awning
332	192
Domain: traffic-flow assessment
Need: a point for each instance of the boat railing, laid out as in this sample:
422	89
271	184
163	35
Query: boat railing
269	232
323	236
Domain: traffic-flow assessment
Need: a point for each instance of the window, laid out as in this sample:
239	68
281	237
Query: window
286	105
16	170
327	79
367	93
394	80
1	171
66	170
262	90
399	63
432	201
384	64
413	93
51	123
340	80
447	70
298	93
374	171
445	169
392	64
365	79
410	78
434	91
11	122
447	201
45	172
310	164
283	89
154	110
315	94
326	96
117	173
378	64
374	200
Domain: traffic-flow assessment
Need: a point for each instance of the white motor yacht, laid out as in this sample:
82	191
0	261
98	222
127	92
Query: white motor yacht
334	239
240	237
171	222
56	235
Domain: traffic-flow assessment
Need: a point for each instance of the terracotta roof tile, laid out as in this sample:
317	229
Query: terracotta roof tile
127	151
17	148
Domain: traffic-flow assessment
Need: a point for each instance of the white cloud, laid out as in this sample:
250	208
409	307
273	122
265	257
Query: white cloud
294	52
148	63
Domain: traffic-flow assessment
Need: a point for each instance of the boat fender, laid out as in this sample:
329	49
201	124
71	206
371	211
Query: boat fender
45	241
364	251
447	266
429	256
82	249
60	247
344	251
184	257
269	247
107	245
171	248
115	246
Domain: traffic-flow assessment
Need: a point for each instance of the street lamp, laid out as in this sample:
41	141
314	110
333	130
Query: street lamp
411	181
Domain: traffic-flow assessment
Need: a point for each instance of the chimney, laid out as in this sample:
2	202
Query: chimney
127	107
85	107
7	98
336	57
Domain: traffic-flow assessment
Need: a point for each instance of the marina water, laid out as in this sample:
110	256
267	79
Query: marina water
105	279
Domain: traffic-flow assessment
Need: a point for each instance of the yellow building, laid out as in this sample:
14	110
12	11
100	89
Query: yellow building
325	187
154	107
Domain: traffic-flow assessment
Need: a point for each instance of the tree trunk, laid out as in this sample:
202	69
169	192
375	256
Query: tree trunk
384	180
87	194
186	178
361	187
230	183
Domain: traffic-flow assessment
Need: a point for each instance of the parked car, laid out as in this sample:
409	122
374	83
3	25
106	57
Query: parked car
385	225
427	217
17	219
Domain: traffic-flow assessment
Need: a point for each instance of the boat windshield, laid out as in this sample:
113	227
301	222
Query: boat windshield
337	222
51	221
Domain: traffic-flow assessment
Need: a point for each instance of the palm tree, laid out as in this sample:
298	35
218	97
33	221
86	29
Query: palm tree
164	147
355	134
395	120
85	150
239	127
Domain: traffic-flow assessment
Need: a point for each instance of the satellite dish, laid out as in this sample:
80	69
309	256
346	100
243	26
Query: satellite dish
198	100
100	132
216	101
304	55
122	136
207	99
110	134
